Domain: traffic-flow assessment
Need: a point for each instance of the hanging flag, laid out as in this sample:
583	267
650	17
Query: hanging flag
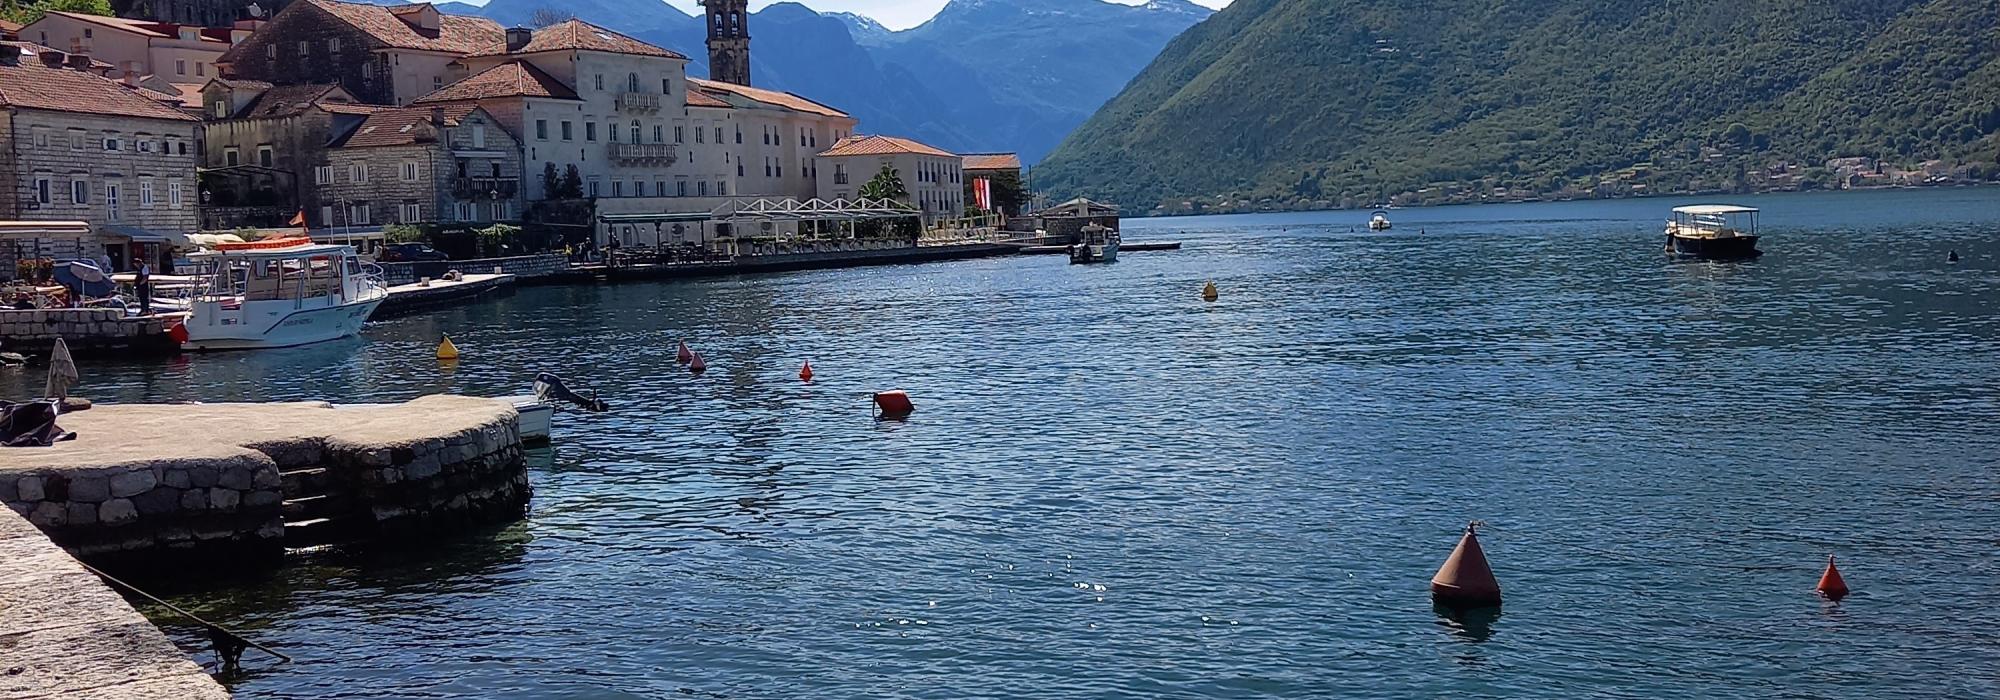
982	193
298	219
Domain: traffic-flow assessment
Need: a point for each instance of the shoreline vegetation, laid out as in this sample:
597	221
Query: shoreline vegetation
1264	207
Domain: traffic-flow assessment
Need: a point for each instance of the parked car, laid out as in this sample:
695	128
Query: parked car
409	252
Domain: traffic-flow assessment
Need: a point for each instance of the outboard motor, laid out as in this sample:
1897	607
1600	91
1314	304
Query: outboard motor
549	387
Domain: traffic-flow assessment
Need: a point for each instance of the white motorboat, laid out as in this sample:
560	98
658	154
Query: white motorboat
537	416
1096	244
279	293
1379	222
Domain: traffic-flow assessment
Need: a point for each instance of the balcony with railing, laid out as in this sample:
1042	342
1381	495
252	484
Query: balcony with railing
485	187
661	154
639	101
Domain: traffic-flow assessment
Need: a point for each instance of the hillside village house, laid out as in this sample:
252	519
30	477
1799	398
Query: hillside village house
385	55
934	177
422	164
178	54
77	146
265	147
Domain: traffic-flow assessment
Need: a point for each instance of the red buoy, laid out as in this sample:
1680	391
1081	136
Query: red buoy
894	404
1831	585
684	355
806	372
178	333
696	365
1465	581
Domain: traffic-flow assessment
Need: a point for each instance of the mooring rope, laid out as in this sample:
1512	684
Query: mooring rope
227	637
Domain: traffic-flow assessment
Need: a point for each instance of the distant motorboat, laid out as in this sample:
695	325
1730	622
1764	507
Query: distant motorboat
1713	232
1379	222
1096	244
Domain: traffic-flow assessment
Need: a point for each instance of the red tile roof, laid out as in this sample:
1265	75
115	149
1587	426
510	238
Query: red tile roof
458	34
770	97
697	98
510	79
578	35
10	27
140	27
30	85
882	146
992	161
401	127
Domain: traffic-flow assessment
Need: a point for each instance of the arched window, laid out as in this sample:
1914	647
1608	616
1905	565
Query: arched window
632	83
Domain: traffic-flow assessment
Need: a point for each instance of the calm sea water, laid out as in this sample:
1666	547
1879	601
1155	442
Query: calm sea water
1112	489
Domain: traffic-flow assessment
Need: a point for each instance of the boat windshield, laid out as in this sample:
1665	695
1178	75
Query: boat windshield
275	278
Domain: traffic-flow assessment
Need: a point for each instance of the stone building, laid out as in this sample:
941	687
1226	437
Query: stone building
385	55
932	176
1002	172
178	53
443	164
204	13
265	149
76	146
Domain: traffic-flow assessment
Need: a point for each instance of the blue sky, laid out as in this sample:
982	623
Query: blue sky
894	14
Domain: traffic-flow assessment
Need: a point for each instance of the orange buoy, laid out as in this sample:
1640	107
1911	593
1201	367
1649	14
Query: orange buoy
894	404
684	355
1831	585
1465	580
806	372
696	365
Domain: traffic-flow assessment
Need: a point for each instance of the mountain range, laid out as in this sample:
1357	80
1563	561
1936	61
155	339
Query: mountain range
1304	102
982	75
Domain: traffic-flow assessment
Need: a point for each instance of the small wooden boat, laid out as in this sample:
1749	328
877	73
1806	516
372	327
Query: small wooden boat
1713	232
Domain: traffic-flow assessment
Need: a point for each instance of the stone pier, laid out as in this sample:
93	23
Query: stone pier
86	331
245	481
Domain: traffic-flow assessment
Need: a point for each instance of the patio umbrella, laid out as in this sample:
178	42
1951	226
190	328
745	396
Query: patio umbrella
62	372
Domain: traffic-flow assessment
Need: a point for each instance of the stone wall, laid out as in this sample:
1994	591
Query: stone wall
86	331
246	481
521	267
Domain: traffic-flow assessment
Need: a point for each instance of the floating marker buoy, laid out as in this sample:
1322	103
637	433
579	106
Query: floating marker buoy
894	404
446	350
1831	584
1465	581
806	372
696	365
1951	257
684	355
1208	292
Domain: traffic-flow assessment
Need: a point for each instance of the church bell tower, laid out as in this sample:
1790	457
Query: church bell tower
728	41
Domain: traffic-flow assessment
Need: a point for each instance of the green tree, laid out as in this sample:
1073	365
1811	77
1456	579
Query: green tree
885	185
551	181
572	184
25	12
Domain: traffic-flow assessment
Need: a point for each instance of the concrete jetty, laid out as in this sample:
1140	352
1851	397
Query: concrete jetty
65	634
418	296
247	481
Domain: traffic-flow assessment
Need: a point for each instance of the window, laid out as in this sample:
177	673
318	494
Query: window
305	48
479	136
500	210
542	129
611	133
590	131
144	146
593	186
777	137
566	134
681	188
632	83
437	82
41	137
701	188
464	211
718	134
739	133
333	45
767	135
183	148
698	131
781	170
656	134
767	166
660	188
111	143
812	139
270	50
666	86
326	215
677	135
79	192
42	190
112	200
599	82
739	168
635	132
180	66
410	213
496	168
174	194
264	156
357	214
146	193
200	68
357	173
230	156
409	171
617	188
721	188
323	175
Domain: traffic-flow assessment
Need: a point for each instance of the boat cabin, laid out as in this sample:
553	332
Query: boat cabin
1714	221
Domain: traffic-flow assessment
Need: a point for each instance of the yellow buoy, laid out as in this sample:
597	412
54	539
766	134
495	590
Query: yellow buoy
1208	292
446	350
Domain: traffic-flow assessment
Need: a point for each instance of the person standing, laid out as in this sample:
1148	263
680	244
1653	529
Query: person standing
144	282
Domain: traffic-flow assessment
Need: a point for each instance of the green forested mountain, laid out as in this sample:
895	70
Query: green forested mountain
1325	101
